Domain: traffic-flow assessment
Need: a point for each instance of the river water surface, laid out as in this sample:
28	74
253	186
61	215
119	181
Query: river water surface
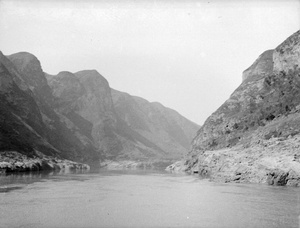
142	199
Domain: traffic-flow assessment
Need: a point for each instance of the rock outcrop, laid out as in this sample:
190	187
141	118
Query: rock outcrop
253	136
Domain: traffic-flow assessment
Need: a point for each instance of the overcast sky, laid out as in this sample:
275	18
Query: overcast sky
187	55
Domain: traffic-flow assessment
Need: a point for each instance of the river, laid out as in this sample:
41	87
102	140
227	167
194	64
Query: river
141	198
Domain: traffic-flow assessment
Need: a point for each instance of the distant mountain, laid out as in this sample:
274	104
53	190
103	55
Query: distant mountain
254	135
84	98
154	129
77	116
122	126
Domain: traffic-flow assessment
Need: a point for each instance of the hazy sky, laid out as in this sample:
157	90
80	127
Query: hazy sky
187	55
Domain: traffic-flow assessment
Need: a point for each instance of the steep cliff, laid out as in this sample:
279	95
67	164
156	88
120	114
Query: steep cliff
270	89
24	144
78	116
123	126
256	131
52	127
84	97
21	124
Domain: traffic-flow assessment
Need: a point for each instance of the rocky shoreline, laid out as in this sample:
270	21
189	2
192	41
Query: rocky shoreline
274	162
131	164
12	161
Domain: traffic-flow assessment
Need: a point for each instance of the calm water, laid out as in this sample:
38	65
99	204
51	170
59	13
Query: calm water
142	199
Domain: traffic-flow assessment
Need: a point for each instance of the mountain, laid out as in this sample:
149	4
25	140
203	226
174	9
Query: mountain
155	130
254	135
47	120
61	133
21	123
121	125
84	98
31	136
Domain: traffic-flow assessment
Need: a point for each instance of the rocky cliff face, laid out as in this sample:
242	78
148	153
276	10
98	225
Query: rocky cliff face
30	124
24	135
21	124
262	113
84	97
122	126
77	116
269	90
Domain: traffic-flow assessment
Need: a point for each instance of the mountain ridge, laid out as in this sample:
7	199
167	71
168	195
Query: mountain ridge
73	116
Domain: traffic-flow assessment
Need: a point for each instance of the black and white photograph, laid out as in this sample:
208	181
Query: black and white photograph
149	113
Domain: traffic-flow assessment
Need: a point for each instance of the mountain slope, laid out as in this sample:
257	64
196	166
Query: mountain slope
50	126
254	135
162	126
21	124
78	116
121	125
85	98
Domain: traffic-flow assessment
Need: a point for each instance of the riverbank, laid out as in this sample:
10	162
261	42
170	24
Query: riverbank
275	161
131	164
12	161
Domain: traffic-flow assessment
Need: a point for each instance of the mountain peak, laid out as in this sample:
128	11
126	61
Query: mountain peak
30	67
263	65
24	58
65	73
88	73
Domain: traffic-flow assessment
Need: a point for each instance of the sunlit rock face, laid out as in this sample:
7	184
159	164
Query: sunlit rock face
254	135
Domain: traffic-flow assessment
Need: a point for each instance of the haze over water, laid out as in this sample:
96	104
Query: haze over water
142	199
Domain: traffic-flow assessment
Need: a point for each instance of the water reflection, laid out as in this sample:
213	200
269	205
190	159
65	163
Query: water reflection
36	176
4	189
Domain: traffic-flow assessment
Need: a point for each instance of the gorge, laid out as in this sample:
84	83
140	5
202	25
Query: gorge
49	121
